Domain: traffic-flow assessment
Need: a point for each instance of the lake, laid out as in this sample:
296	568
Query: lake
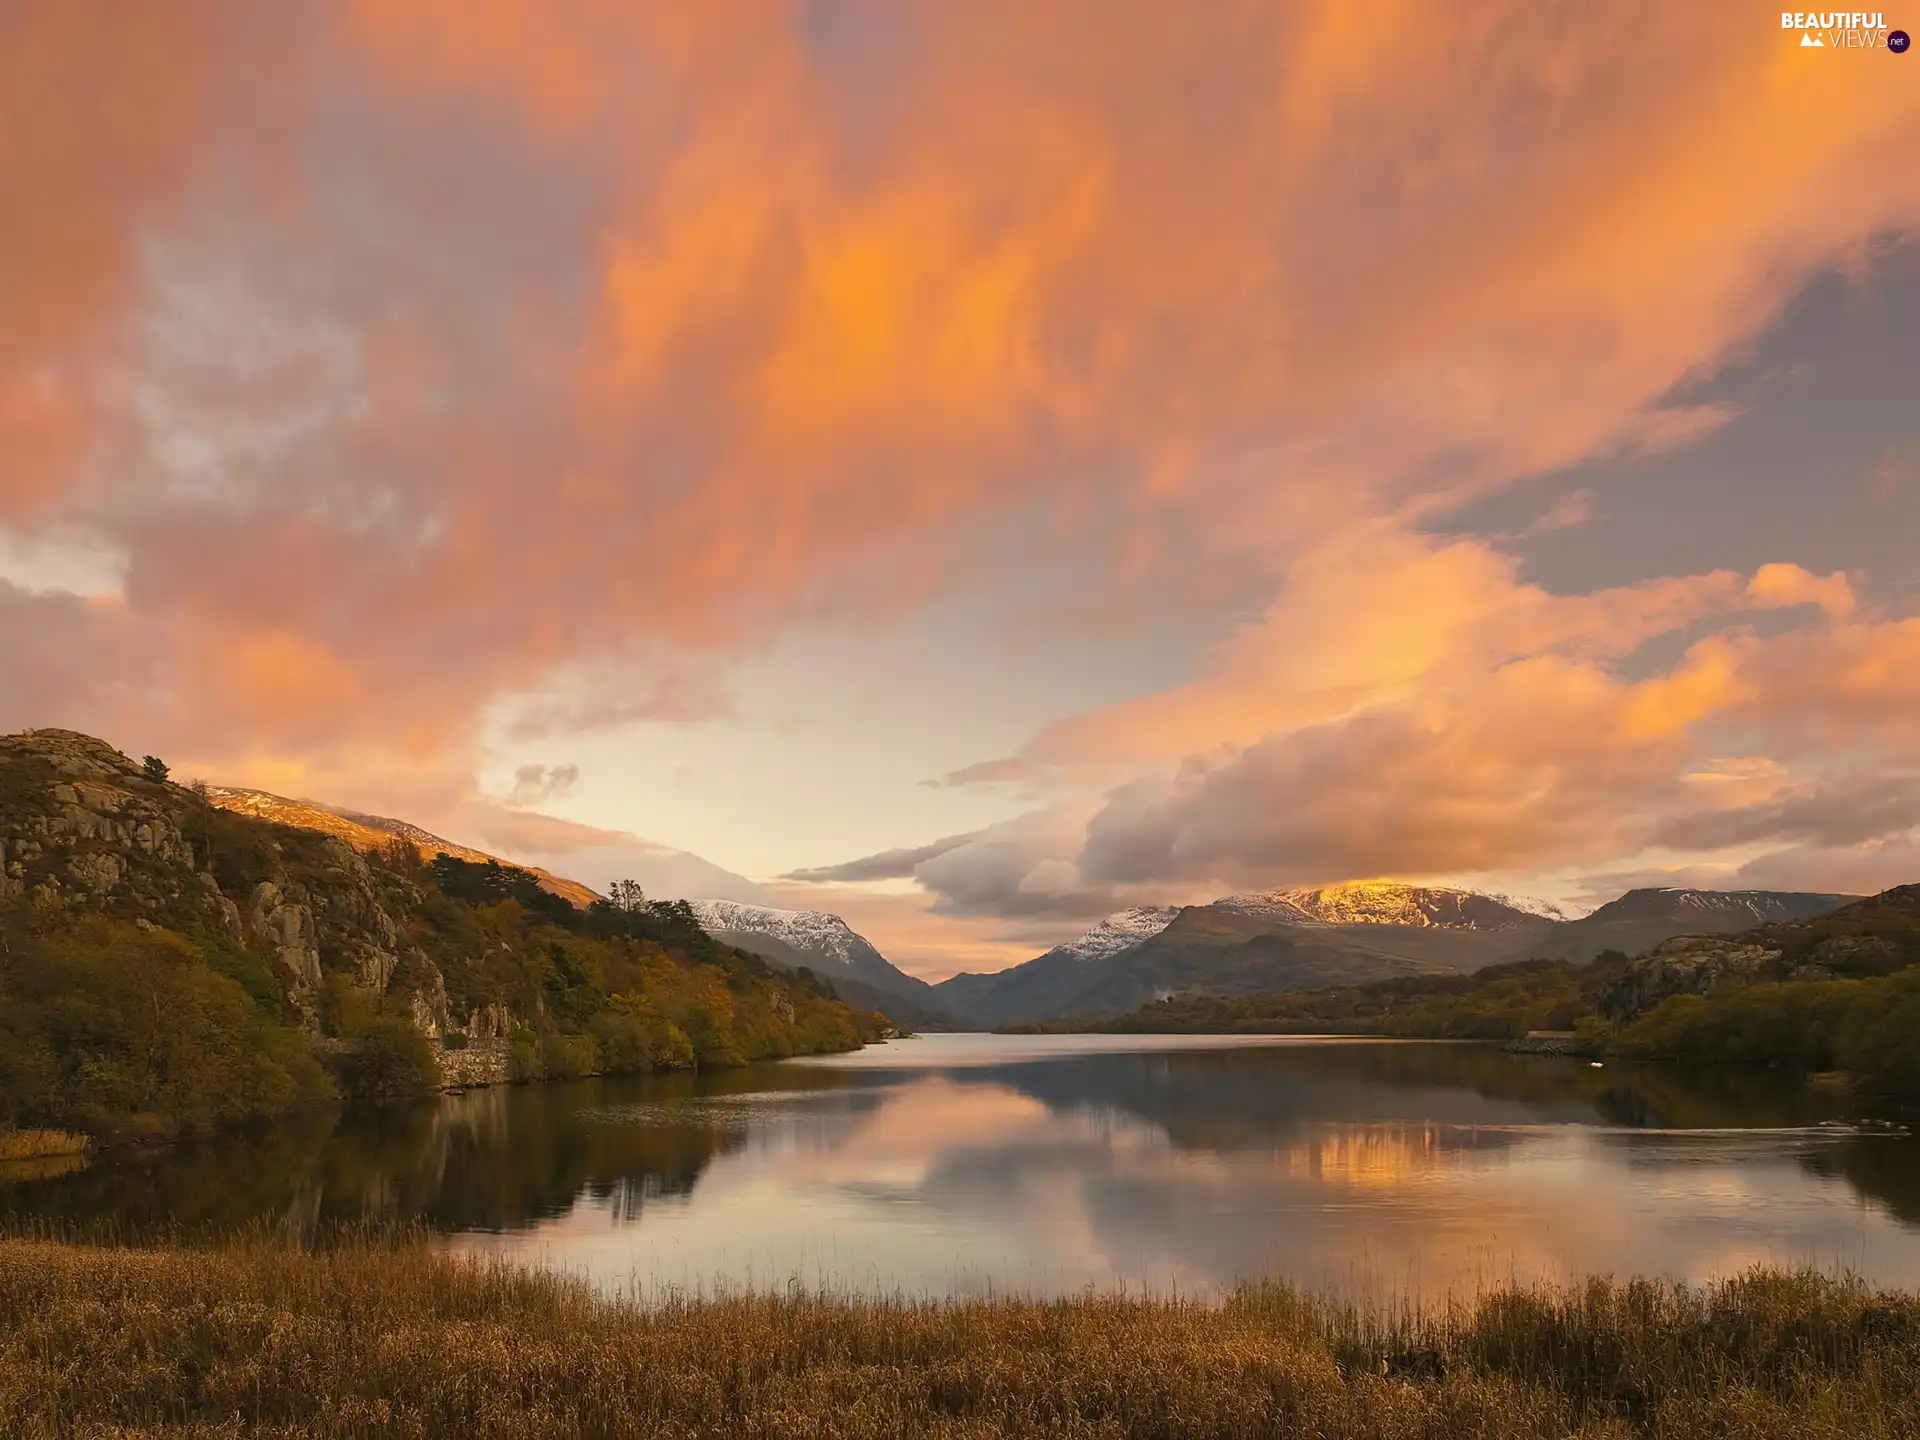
968	1164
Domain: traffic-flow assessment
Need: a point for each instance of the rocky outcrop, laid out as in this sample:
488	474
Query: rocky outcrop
332	919
1877	935
1690	965
81	822
83	825
284	923
492	1022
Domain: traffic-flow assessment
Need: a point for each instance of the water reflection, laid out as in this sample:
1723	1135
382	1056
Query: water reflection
965	1163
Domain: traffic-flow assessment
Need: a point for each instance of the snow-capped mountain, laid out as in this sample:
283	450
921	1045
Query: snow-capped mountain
1120	931
827	940
1642	919
1386	902
1741	907
1339	935
828	945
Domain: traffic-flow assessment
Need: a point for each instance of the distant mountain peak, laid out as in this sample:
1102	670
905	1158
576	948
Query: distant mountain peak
1121	930
1755	907
814	931
1391	902
827	945
1545	909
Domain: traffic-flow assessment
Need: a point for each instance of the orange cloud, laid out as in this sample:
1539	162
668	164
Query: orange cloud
502	339
104	107
1409	707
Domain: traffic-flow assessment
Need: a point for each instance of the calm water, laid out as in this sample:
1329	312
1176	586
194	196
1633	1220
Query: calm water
963	1163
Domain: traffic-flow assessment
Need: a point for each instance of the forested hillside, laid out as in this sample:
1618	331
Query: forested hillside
167	966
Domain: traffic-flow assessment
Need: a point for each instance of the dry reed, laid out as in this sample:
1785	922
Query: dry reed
42	1144
251	1338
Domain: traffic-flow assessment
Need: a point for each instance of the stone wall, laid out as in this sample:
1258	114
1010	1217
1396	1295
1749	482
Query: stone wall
482	1062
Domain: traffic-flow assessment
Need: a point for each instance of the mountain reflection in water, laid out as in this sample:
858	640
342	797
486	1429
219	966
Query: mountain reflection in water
963	1163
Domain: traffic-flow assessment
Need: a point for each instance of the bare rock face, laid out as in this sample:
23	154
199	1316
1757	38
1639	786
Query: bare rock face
80	822
86	828
281	917
352	922
492	1022
1690	965
427	998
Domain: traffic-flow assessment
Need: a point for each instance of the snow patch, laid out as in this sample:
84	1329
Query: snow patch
1545	909
1120	931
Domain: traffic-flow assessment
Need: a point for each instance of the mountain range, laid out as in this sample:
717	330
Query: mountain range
1340	935
1248	943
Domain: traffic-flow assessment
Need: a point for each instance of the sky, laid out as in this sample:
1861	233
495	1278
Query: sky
974	467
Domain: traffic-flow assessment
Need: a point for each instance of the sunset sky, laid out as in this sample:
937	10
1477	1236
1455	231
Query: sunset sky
975	466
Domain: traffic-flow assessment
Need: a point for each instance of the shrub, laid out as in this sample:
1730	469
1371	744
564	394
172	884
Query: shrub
565	1057
453	1040
623	1043
390	1060
114	1028
523	1057
1879	1039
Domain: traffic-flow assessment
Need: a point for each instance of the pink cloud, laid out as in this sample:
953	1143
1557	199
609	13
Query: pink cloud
435	366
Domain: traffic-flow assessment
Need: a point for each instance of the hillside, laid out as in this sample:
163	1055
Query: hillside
371	832
167	964
1642	919
1871	937
831	948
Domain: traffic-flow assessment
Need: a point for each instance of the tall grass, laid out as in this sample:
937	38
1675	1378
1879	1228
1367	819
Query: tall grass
42	1144
393	1339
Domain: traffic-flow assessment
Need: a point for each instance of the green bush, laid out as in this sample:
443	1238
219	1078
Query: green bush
251	972
523	1057
1879	1039
1868	1027
390	1060
1794	1025
623	1043
565	1057
115	1028
453	1040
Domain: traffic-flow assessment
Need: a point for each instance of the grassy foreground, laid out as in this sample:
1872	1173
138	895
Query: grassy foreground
257	1340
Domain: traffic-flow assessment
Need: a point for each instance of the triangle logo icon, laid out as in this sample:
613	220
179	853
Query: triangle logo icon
1812	42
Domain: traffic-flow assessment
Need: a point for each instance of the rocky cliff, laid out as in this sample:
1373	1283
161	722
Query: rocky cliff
168	963
83	826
